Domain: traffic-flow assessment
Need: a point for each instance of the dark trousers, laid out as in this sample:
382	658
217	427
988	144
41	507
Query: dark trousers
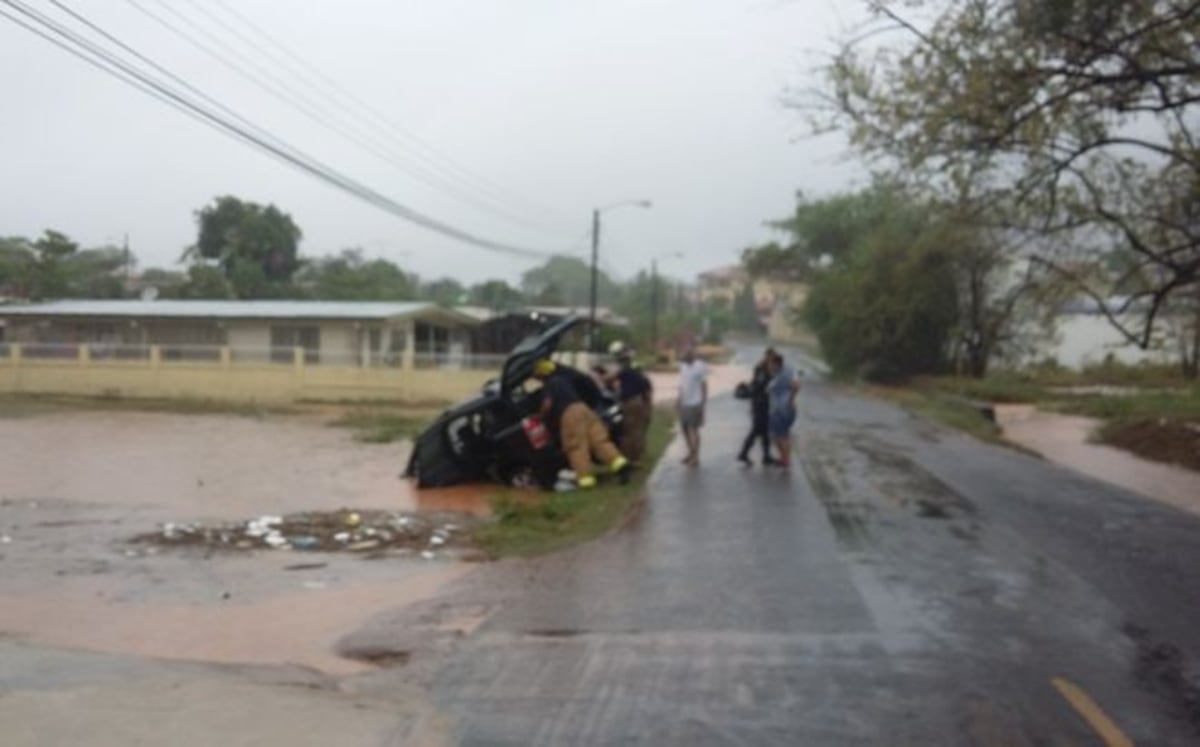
758	430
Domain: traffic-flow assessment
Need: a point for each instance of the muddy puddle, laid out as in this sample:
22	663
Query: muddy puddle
211	466
297	622
1065	439
76	487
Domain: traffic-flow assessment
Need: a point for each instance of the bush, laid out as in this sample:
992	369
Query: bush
888	313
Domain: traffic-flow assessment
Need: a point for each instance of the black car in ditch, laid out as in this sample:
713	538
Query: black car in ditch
495	436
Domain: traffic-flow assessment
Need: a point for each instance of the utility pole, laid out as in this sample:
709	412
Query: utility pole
128	263
591	338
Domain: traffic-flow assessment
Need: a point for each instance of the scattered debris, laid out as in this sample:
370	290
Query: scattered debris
367	532
380	656
305	566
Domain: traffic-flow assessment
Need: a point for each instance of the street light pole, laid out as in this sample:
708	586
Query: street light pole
591	339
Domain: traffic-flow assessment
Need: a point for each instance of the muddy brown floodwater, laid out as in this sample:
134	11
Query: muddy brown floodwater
1064	439
76	486
210	466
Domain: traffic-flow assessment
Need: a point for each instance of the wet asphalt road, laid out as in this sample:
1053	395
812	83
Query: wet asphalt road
909	586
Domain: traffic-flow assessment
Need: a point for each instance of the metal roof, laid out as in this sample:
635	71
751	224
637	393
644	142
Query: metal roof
160	309
604	315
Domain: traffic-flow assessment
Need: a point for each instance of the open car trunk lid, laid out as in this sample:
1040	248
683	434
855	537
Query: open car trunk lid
519	365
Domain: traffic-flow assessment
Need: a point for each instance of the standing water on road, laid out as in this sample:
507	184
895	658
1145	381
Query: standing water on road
1066	439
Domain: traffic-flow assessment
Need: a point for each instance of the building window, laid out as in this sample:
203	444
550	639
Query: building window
432	339
286	337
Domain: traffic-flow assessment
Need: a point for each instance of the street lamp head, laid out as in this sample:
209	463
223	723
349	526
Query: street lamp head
626	203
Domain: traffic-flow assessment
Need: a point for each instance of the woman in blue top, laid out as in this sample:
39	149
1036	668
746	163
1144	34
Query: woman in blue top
781	392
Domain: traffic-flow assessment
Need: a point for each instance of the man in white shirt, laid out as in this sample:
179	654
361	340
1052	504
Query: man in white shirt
693	397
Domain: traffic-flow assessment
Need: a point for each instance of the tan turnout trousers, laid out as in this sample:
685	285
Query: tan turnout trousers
583	437
636	414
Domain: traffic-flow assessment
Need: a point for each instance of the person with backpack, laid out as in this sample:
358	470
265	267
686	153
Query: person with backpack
756	392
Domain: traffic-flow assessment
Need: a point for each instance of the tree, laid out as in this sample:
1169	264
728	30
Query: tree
889	310
205	282
97	273
821	231
550	294
166	283
351	277
254	246
572	279
445	291
54	266
744	314
17	260
49	273
1001	305
496	295
1073	121
638	300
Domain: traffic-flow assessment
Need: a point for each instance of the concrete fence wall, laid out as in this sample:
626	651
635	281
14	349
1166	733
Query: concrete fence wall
226	379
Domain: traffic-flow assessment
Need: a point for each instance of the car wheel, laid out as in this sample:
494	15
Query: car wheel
519	476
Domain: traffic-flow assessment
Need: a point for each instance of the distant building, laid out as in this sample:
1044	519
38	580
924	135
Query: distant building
777	301
722	285
341	332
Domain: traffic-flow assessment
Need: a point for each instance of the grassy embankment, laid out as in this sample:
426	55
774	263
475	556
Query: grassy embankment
371	422
534	523
32	405
1148	410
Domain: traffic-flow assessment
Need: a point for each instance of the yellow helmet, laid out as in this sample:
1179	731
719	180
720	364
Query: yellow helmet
543	367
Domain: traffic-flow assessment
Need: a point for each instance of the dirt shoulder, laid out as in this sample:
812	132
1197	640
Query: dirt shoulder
1170	442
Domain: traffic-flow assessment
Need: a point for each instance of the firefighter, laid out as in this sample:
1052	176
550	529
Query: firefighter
583	434
636	395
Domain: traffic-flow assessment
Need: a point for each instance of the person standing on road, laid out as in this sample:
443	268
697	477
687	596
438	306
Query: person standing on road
759	411
583	435
781	412
636	395
693	398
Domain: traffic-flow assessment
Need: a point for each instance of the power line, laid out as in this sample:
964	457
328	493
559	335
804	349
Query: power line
330	87
109	63
311	108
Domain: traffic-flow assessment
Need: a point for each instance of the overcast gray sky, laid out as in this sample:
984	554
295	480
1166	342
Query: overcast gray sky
543	109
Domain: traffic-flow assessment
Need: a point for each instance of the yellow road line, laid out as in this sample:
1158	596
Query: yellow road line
1092	713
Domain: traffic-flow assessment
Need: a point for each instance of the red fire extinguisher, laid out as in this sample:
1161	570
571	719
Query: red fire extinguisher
536	432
